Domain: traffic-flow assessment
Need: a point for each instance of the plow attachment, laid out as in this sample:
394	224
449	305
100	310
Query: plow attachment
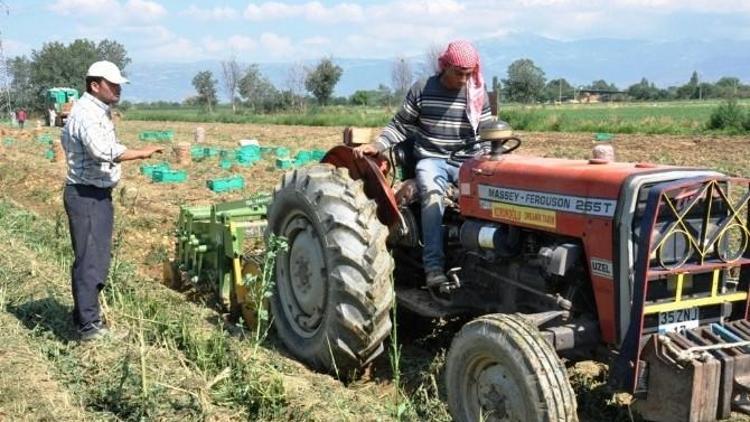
219	248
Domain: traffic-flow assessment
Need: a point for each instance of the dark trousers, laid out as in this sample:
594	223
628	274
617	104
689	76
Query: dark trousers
90	218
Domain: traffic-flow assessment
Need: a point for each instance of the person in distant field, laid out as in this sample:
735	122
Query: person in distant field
21	117
443	114
93	154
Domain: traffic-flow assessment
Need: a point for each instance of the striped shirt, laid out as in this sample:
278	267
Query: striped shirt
91	145
437	118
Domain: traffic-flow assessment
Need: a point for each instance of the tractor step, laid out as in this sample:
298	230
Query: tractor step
421	302
701	374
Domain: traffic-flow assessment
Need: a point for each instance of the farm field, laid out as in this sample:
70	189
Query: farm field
180	359
665	117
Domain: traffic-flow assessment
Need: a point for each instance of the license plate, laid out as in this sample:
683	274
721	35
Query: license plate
679	320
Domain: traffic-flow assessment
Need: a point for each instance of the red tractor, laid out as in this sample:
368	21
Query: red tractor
551	257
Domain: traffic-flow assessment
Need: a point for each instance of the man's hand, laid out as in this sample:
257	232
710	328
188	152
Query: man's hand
139	154
366	149
149	151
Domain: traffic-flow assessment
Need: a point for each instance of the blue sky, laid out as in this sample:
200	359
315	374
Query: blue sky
287	31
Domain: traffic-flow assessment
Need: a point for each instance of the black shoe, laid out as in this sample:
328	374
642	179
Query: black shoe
435	278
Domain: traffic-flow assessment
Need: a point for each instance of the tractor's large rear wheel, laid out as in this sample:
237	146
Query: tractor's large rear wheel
332	294
499	368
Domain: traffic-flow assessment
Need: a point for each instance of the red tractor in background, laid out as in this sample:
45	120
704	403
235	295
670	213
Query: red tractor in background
551	257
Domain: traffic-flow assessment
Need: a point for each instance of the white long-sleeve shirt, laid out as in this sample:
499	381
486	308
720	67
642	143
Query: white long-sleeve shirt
91	145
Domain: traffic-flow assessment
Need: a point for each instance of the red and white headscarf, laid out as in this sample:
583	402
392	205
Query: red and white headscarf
462	54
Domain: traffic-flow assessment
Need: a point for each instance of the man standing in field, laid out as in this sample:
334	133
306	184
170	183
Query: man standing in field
443	114
93	154
21	117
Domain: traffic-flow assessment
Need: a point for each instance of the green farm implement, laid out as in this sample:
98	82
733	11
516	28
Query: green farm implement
219	247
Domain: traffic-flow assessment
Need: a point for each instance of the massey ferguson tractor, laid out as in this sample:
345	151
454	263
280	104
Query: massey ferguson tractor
547	258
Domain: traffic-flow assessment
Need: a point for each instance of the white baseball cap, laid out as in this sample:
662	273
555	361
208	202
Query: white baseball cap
108	71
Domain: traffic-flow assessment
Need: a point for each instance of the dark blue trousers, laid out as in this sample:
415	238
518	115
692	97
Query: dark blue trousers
90	219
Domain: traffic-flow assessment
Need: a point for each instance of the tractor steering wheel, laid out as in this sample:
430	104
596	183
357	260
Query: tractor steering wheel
514	144
471	150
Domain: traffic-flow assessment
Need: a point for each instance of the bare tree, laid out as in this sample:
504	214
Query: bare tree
430	65
232	74
295	83
401	76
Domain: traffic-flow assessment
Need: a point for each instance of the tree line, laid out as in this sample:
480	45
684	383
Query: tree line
58	64
526	83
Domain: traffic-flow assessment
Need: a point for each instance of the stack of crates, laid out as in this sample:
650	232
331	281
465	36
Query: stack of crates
283	162
303	157
248	154
148	169
199	153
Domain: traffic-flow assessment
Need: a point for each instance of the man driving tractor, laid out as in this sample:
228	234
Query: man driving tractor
443	114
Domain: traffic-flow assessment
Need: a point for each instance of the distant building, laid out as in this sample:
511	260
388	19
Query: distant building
597	95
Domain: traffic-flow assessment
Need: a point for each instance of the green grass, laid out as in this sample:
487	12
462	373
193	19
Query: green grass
678	117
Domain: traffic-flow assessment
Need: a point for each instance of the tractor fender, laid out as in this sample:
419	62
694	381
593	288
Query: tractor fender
372	172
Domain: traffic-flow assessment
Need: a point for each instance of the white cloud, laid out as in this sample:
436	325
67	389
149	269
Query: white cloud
144	10
311	11
179	49
701	6
159	43
83	7
115	11
212	14
270	11
241	43
275	45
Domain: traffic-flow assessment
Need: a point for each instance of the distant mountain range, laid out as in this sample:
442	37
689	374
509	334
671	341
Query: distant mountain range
622	62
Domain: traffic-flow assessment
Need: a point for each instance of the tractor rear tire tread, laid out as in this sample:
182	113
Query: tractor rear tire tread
356	319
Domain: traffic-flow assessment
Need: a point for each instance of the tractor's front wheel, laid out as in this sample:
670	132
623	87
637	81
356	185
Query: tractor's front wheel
499	368
332	293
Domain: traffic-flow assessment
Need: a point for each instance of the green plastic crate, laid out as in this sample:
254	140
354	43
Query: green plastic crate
603	137
255	149
318	154
199	153
282	152
247	155
169	176
148	169
156	135
225	163
226	184
284	163
303	157
244	163
45	138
